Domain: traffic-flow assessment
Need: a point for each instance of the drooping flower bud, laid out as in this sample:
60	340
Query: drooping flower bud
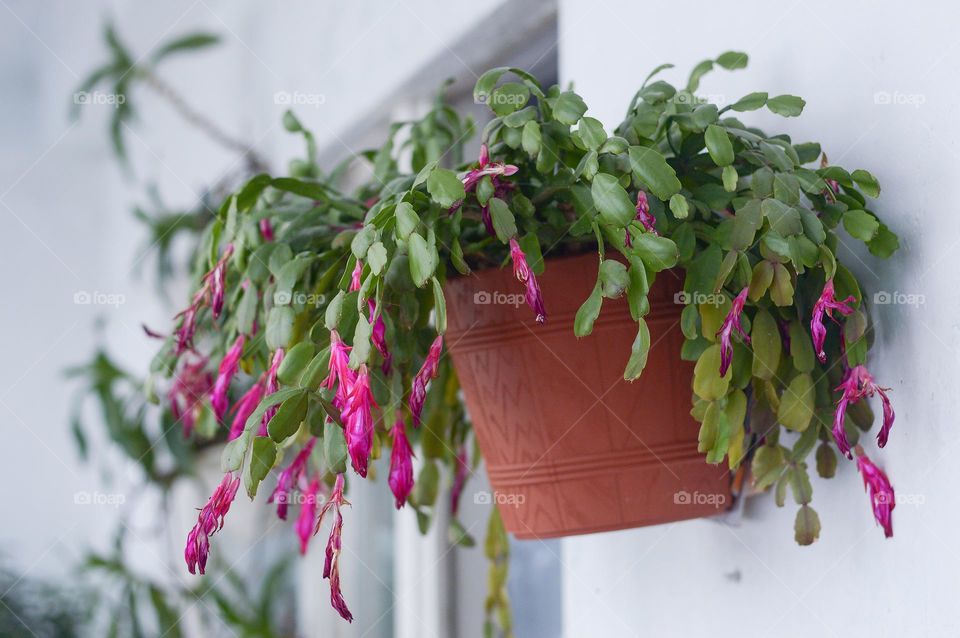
429	369
378	336
644	216
522	272
882	497
288	479
209	522
732	321
306	521
401	464
357	418
266	229
245	407
355	281
228	368
826	304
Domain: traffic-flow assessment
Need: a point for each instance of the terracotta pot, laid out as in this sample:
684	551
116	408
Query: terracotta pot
570	447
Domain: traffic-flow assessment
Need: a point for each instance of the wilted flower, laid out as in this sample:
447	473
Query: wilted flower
461	474
288	479
644	216
209	521
355	276
266	229
341	376
357	418
331	565
401	464
306	522
523	273
418	393
246	406
228	368
188	326
857	384
826	304
270	387
882	498
186	394
734	320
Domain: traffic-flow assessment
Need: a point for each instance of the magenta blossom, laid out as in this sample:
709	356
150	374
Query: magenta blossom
460	477
306	522
341	377
189	387
523	273
734	320
331	565
857	384
209	522
486	167
826	304
379	336
266	229
495	170
228	368
418	393
401	464
211	292
289	478
644	216
357	418
246	406
270	387
882	498
355	276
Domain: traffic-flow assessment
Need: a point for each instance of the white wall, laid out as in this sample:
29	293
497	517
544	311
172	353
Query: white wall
66	225
698	577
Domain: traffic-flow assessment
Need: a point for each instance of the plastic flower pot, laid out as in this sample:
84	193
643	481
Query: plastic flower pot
570	447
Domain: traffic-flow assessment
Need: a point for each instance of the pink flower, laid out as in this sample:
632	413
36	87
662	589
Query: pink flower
331	565
266	229
644	216
271	387
228	368
209	522
340	376
523	273
418	393
306	522
401	464
211	293
496	170
243	408
379	336
289	479
189	387
355	276
733	321
459	479
881	493
857	384
357	418
486	167
826	304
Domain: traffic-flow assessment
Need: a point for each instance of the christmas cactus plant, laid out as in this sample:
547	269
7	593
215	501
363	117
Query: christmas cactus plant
315	337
